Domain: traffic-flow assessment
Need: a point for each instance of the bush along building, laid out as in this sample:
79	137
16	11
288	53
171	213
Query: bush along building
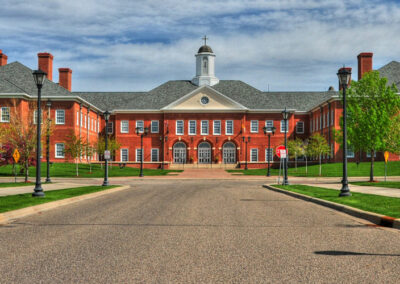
204	122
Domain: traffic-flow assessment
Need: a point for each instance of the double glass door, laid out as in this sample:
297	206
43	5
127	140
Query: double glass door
179	151
204	153
229	153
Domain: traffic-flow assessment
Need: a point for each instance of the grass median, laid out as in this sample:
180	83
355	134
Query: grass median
389	184
13	202
15	184
388	206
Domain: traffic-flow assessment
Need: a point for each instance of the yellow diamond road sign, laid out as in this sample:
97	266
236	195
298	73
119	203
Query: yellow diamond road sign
16	155
386	156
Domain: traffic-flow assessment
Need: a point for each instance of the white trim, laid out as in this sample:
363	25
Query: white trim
251	126
220	126
55	148
226	127
56	116
201	127
1	114
195	127
122	127
151	126
176	127
127	154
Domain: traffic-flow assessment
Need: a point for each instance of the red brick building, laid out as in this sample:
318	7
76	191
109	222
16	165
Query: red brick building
202	122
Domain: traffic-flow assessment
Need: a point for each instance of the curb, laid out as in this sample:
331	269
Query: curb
375	218
6	217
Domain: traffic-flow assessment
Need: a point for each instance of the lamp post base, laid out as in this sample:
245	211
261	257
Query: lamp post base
38	191
48	180
345	191
105	183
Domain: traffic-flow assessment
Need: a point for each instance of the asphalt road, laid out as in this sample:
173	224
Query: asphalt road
193	231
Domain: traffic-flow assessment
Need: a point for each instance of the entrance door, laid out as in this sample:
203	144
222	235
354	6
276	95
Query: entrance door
229	153
179	151
204	152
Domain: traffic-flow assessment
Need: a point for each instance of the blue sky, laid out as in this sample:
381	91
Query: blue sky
125	45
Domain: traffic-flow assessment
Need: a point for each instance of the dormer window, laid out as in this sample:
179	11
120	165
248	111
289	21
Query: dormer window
205	65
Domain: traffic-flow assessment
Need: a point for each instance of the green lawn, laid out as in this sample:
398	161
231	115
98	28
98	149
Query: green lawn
333	170
391	184
15	184
13	202
389	206
68	170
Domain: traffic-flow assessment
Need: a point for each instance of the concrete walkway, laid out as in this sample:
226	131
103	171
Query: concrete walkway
46	187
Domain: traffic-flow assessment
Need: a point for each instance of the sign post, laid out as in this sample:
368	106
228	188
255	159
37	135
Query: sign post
16	157
107	155
281	153
386	160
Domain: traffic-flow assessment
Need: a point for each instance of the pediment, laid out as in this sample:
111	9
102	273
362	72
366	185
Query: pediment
204	99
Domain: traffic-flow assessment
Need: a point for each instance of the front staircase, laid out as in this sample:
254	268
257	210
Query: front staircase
202	166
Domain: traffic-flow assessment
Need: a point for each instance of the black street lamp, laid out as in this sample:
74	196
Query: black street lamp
142	132
344	75
106	154
244	140
269	130
285	115
39	76
48	104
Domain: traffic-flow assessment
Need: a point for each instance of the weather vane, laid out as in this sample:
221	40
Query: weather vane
205	40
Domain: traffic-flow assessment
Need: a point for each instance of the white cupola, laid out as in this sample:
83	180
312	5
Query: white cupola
205	66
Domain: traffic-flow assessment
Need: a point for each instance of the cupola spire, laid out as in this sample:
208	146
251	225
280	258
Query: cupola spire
205	65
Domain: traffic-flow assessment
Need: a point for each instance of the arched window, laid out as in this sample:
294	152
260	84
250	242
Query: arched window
205	65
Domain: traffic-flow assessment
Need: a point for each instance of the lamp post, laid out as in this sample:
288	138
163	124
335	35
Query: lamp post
285	115
39	76
344	75
48	104
142	132
106	154
244	140
269	130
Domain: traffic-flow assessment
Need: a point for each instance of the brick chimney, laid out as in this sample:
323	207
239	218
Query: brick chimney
65	76
3	58
45	63
364	63
348	69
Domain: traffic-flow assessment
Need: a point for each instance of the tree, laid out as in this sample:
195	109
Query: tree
373	108
295	149
112	146
393	138
90	150
317	147
75	147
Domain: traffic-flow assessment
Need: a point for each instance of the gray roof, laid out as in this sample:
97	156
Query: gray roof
17	78
392	72
238	91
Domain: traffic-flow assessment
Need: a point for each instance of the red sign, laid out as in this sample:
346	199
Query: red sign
279	149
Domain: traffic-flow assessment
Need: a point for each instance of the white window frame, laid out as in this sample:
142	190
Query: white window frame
125	128
368	154
2	118
35	116
251	154
271	150
201	127
226	127
182	127
287	126
297	127
56	150
136	156
215	132
110	124
253	123
269	124
350	152
157	156
195	127
58	111
77	118
127	154
142	126
153	124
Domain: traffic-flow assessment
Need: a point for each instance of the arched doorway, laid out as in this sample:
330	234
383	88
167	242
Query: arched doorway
179	151
229	153
204	153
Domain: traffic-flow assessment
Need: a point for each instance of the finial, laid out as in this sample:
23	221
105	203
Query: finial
205	39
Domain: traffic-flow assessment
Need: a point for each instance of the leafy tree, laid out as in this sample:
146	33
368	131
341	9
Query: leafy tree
90	150
373	107
317	147
295	149
75	147
112	145
393	138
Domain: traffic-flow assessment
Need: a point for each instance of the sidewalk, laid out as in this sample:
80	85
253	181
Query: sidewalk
29	189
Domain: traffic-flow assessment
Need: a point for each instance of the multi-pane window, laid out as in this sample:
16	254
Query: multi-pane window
60	116
77	118
35	117
269	124
124	155
217	127
284	126
254	126
253	155
269	154
5	114
192	127
204	127
300	127
110	127
154	126
80	113
59	150
124	126
229	127
139	156
154	155
179	127
140	125
369	154
350	152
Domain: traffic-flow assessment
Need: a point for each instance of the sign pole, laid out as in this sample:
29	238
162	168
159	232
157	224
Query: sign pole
386	154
